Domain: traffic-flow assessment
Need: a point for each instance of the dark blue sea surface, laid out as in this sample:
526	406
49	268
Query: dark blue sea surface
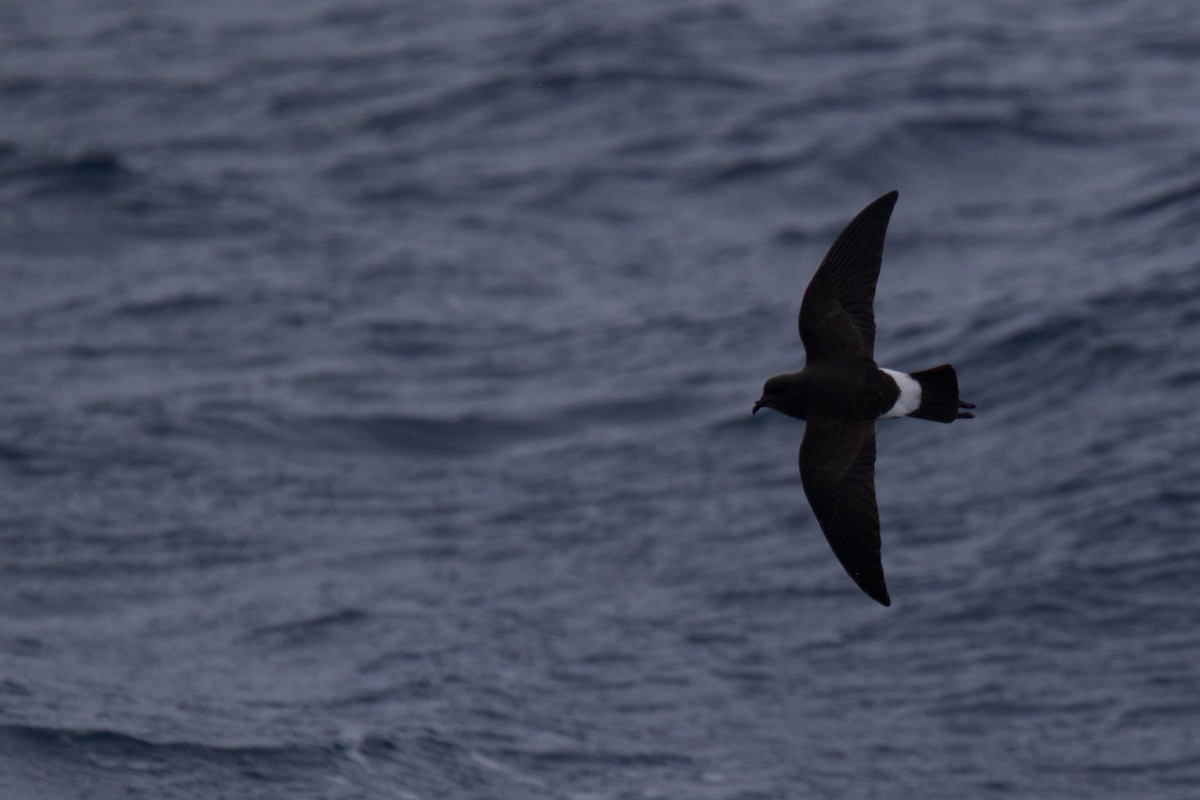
376	386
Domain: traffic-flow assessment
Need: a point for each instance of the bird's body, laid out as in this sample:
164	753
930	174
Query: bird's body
832	391
842	392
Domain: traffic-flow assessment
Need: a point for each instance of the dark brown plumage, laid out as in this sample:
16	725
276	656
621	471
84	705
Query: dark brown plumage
841	392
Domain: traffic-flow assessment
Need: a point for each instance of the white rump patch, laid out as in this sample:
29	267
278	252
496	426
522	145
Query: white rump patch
910	395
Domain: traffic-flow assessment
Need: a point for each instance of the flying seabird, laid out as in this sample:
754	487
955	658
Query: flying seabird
841	392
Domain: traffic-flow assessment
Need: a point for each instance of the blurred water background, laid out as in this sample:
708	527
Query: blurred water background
376	385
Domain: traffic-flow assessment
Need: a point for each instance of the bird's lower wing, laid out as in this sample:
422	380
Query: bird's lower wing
837	468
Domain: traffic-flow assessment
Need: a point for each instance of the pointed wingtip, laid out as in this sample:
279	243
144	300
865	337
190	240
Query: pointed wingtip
888	199
875	589
875	586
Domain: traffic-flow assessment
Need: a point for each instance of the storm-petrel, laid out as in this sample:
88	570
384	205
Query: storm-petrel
841	392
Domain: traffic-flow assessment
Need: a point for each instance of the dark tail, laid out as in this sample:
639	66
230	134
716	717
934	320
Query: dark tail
939	395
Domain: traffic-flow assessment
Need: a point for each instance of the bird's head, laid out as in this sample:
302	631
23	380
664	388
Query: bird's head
781	393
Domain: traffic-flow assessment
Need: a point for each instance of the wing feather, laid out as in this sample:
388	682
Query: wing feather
837	316
837	468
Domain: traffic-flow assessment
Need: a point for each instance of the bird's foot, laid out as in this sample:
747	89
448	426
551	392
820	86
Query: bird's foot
965	404
965	415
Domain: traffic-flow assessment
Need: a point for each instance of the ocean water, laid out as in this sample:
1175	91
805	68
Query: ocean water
375	413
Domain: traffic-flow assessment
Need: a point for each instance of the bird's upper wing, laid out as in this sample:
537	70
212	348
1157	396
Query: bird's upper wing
837	318
837	468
